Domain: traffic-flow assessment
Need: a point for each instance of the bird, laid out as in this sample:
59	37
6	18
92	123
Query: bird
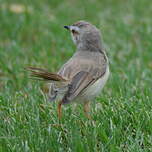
84	75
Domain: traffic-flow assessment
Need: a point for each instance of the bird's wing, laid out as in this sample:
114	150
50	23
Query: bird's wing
79	83
82	73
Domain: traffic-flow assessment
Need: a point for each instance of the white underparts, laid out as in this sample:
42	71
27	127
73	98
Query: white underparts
96	88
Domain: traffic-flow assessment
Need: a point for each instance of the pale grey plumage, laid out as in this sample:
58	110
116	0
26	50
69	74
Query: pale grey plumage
88	64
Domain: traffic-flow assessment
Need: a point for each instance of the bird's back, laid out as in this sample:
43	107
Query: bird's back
84	61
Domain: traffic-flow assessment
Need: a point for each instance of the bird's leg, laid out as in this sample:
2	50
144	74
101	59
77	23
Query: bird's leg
87	109
59	110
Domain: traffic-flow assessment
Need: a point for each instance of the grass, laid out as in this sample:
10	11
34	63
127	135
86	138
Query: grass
32	34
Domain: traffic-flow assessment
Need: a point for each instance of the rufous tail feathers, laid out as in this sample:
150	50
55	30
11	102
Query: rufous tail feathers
42	74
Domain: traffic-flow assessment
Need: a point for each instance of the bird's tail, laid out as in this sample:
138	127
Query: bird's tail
41	74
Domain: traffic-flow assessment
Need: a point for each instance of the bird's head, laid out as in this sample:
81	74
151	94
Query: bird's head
84	34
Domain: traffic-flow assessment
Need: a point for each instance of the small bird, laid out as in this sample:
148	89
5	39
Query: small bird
84	75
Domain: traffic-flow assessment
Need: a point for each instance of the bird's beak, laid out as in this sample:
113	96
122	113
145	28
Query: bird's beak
71	27
67	27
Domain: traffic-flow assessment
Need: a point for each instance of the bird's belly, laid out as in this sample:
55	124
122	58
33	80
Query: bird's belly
96	88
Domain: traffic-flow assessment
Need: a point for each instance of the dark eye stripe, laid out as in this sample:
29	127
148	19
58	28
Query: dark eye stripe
74	32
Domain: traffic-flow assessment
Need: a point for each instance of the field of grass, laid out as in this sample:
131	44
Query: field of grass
32	34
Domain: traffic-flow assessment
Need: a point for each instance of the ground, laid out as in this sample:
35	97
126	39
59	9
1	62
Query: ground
32	34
